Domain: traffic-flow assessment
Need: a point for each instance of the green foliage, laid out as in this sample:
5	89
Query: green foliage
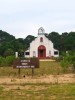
68	60
9	45
8	52
64	42
1	60
55	38
73	62
58	59
28	40
8	61
64	65
4	36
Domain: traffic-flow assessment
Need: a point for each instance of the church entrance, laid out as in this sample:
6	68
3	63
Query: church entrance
41	51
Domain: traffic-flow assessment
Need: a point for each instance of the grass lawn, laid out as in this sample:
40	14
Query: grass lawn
38	92
49	67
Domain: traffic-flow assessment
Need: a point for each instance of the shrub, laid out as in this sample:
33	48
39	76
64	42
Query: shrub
1	60
9	60
58	59
64	65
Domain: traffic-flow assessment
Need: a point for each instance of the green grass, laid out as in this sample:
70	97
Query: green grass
36	91
45	68
39	92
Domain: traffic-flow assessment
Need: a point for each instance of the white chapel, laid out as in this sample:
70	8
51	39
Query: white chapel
41	47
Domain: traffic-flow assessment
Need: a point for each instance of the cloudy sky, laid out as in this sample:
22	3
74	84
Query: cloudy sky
23	17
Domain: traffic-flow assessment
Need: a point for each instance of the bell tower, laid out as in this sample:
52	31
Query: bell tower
41	31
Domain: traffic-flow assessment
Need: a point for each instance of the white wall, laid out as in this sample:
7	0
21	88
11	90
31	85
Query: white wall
36	43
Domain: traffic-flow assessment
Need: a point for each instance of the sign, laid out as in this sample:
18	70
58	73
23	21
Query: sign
26	63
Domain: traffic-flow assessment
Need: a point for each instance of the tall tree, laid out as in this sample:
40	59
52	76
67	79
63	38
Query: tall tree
28	40
55	38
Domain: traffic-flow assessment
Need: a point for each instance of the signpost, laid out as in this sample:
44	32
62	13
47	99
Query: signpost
26	63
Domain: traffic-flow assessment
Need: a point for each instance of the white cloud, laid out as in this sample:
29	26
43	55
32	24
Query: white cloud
24	17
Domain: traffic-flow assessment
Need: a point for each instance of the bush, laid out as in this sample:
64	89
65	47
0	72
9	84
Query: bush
58	59
1	60
8	61
64	65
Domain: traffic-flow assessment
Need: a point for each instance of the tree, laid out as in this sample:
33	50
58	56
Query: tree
28	40
64	42
55	38
8	52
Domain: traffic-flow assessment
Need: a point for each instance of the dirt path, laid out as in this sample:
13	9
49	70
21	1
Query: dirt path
66	78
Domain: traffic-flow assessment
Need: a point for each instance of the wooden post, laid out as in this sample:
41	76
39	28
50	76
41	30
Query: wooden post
32	72
19	71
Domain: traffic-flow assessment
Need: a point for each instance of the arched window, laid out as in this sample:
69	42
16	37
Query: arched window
41	39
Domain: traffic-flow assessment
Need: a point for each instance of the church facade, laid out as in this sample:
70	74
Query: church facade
41	47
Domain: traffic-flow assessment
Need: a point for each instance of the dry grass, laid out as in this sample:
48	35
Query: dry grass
46	68
45	85
38	92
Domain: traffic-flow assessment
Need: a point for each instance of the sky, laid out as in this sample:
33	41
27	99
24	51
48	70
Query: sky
21	18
